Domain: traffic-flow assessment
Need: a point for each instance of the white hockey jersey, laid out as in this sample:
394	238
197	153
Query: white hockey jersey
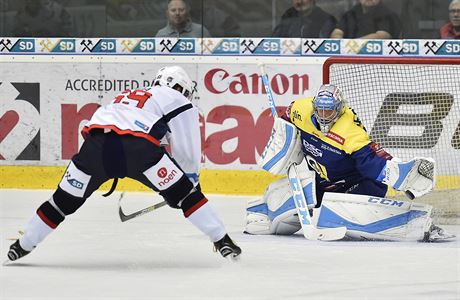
154	114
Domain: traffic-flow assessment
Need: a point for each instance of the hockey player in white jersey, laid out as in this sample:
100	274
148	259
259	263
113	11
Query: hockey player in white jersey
122	139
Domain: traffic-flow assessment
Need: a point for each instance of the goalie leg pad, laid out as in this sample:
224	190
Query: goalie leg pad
282	149
375	218
275	213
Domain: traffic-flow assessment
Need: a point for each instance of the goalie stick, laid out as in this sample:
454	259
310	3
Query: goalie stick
310	231
124	217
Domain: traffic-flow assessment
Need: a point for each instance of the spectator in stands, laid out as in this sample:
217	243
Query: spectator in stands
125	10
218	22
369	19
179	22
42	18
305	19
452	29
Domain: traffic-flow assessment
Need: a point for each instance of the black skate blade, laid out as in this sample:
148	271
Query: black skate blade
233	258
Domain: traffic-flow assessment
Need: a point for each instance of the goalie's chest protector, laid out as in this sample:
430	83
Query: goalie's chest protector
329	155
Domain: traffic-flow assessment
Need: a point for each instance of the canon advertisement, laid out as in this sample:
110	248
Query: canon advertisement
44	105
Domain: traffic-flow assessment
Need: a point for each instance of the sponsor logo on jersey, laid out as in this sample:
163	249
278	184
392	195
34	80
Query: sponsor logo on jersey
169	176
138	45
162	172
322	47
141	125
271	46
17	45
53	45
296	115
379	151
73	182
312	149
98	45
331	149
335	137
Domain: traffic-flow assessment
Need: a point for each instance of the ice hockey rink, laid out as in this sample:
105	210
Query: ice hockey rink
93	255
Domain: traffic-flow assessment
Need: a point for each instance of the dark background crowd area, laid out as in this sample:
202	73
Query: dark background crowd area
419	19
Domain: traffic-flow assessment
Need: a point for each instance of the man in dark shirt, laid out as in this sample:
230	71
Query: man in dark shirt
44	18
305	19
369	19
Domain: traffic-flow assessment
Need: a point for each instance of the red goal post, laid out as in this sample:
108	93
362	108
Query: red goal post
411	106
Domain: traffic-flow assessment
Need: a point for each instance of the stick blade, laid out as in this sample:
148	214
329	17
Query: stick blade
324	234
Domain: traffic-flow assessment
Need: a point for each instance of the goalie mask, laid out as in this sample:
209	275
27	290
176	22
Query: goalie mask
176	78
328	105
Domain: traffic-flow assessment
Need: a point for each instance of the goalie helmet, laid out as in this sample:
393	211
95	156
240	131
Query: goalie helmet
328	106
176	78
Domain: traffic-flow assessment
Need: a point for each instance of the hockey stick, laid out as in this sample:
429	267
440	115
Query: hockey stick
124	217
310	231
268	90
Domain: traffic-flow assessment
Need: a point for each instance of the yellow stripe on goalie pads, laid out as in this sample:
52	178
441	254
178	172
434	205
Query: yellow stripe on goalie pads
374	218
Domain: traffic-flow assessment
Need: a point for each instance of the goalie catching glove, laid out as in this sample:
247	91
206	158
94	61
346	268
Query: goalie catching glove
283	148
415	177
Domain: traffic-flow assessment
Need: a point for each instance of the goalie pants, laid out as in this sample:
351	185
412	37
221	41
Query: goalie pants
108	155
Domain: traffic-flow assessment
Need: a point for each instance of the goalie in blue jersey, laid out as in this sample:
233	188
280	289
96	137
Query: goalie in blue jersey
350	175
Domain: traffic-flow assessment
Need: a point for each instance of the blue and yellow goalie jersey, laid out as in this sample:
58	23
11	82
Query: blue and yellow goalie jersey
344	156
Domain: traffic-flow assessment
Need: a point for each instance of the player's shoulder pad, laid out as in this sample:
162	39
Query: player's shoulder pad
351	131
164	95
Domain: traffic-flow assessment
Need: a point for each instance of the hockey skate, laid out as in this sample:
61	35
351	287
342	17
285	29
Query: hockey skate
436	233
15	252
227	248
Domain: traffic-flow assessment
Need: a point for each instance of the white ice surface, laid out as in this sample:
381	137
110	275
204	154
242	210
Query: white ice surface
92	255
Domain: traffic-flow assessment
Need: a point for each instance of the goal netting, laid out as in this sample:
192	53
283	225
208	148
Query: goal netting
412	108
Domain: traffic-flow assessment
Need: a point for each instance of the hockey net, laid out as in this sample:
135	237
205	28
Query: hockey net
412	108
